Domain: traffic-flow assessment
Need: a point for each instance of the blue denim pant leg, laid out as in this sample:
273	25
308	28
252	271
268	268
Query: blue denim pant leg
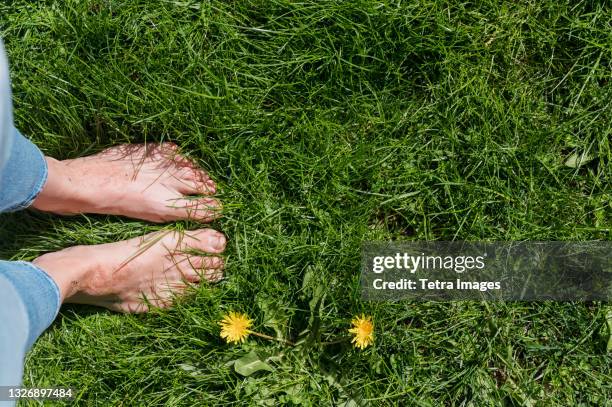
23	175
29	298
29	303
13	335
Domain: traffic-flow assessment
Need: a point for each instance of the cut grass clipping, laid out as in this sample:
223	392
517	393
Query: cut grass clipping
327	123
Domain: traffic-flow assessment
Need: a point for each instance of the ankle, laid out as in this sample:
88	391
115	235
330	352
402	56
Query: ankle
61	192
69	268
54	187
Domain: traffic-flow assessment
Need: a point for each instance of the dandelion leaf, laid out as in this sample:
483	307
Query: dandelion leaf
249	364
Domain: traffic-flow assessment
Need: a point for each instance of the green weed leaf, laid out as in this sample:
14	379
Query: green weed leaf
249	364
275	316
577	160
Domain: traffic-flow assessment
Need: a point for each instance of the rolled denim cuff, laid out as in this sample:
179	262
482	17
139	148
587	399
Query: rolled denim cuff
38	292
23	175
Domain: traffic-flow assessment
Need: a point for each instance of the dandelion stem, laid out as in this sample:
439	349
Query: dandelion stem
335	341
272	338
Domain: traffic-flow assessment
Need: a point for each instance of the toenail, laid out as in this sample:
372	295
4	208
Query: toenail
219	242
211	203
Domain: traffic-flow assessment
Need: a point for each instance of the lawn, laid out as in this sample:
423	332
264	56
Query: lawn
327	124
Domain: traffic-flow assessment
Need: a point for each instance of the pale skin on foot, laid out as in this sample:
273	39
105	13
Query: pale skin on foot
152	183
124	276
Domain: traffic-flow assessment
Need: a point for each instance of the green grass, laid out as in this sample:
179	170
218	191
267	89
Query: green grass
327	123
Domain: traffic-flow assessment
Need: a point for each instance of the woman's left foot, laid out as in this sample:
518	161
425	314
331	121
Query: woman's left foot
124	276
151	182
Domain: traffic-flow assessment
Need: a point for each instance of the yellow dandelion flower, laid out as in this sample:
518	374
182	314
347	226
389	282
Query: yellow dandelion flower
235	327
363	329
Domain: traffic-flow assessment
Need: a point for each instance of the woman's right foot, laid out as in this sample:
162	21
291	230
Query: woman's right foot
129	276
151	182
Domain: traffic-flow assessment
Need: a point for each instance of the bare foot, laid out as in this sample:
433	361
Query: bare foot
151	182
127	276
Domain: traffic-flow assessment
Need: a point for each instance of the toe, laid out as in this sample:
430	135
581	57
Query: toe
191	267
212	263
200	209
206	240
213	275
190	177
191	181
131	307
193	277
